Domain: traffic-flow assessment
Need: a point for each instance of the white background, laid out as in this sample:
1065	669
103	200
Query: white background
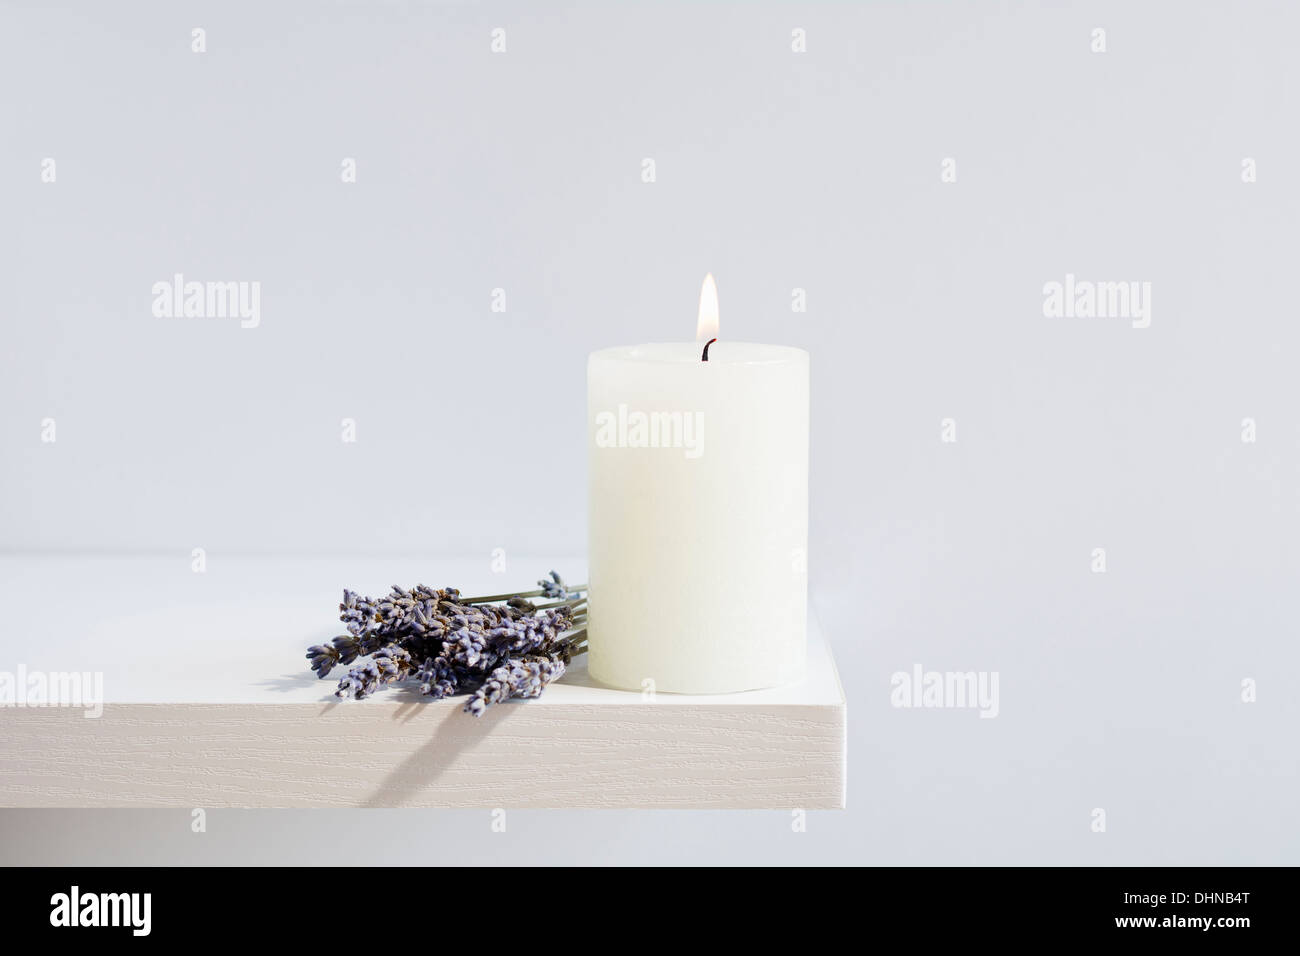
776	171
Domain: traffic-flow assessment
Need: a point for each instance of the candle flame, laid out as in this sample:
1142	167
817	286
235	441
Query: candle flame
707	327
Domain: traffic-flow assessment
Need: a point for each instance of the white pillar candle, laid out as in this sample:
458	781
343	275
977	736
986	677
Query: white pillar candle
698	514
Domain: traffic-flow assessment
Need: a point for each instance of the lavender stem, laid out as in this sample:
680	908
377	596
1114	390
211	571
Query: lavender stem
572	602
490	598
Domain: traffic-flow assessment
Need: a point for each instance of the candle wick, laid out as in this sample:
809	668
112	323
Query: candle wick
705	356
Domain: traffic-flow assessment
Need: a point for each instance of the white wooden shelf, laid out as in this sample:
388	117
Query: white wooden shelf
208	702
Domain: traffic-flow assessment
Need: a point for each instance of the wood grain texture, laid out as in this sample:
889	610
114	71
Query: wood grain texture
423	755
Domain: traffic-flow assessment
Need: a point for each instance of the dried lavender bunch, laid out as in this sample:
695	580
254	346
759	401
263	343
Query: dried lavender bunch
493	647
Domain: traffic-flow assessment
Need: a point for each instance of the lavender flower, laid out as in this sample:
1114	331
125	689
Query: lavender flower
357	612
393	616
440	678
343	649
553	587
323	657
467	646
515	678
387	666
536	632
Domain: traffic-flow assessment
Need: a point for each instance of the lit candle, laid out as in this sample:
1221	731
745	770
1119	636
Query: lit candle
698	465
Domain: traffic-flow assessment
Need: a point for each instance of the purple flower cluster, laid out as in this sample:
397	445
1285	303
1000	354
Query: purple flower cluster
493	651
515	678
388	666
554	587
